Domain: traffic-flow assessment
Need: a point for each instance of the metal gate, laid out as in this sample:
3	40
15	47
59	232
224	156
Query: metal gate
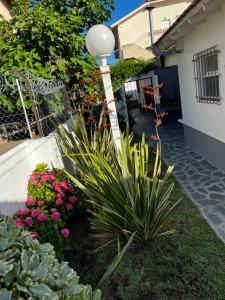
133	89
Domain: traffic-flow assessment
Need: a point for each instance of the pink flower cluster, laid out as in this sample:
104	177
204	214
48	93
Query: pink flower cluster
55	216
23	212
44	177
42	218
34	235
47	176
50	199
63	185
36	212
30	201
65	232
19	223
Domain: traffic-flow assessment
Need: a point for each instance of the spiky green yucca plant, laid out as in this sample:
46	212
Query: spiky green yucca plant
125	198
79	143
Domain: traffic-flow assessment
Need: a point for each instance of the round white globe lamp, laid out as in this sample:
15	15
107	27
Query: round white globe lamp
100	42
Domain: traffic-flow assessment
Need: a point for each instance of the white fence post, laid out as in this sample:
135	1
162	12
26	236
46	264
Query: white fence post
24	108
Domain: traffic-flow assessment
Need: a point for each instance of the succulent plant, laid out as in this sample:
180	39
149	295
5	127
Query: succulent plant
30	270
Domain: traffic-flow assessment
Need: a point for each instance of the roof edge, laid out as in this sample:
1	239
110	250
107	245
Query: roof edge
180	18
134	12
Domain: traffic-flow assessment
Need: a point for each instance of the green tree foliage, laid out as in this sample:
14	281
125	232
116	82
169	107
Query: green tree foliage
47	37
125	69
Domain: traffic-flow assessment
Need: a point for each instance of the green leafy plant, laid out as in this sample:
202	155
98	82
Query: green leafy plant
51	199
30	270
124	196
56	104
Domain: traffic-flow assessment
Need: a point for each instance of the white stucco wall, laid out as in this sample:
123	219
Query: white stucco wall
17	164
207	118
135	31
171	60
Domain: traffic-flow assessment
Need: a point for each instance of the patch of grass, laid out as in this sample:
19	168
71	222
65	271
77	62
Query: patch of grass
187	265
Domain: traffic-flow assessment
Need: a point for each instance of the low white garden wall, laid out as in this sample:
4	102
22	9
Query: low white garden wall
17	164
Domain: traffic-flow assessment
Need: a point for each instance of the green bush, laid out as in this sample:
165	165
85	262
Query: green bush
30	270
124	197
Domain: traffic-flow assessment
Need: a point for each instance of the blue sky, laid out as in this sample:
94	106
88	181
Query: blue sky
122	8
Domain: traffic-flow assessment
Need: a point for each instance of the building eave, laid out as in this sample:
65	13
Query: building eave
151	3
195	14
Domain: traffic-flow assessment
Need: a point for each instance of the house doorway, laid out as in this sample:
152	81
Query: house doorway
170	94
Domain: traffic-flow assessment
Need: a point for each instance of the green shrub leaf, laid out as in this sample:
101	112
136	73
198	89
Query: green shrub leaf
5	268
42	291
5	294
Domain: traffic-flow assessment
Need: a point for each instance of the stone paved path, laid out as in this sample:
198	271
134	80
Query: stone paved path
203	182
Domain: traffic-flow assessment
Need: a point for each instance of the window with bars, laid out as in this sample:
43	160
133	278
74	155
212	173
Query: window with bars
207	75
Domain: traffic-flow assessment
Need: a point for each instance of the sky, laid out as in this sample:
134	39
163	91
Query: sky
122	8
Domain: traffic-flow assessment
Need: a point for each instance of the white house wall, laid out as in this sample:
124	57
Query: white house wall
5	10
206	118
17	165
171	60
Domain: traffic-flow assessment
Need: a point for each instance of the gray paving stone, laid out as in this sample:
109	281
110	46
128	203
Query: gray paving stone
221	233
220	209
211	181
203	191
219	174
189	188
206	178
197	196
217	196
199	157
215	219
182	177
195	184
215	188
207	165
205	203
195	177
194	163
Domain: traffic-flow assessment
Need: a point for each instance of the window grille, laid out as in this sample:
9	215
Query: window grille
207	75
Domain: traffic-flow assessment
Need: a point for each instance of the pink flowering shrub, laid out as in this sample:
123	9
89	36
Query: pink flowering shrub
51	199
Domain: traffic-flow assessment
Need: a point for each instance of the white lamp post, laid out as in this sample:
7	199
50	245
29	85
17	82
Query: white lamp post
100	42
